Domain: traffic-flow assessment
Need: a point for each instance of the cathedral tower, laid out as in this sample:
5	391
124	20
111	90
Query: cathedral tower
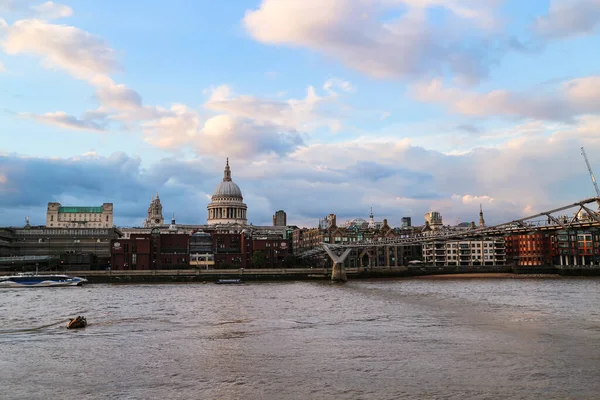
155	217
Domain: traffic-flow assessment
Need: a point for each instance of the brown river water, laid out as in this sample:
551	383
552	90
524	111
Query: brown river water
373	339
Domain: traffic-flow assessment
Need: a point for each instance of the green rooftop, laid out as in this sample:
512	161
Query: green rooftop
82	210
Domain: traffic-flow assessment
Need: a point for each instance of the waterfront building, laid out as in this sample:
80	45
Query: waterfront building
201	250
576	247
43	247
58	216
6	241
150	251
465	252
532	249
280	218
227	205
155	215
269	250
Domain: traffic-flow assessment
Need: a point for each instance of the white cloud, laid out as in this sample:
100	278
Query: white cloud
180	127
2	68
471	199
569	18
50	10
89	121
574	97
334	83
115	96
78	52
353	32
292	114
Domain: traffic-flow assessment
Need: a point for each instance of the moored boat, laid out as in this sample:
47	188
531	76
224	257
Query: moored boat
36	280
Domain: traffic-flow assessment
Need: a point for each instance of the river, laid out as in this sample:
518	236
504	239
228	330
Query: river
373	339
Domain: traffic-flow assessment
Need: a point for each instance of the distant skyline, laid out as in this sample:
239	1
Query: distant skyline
322	106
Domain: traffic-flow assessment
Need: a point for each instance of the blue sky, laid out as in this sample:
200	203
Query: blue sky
323	106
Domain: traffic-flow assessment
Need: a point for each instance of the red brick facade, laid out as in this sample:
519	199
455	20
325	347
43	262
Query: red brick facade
172	251
529	249
148	251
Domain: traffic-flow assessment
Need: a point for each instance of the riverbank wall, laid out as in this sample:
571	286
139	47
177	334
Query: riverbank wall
195	275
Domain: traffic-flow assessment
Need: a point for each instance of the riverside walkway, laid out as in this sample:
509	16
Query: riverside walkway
200	275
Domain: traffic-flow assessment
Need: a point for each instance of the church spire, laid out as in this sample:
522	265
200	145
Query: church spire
481	220
227	175
371	220
173	226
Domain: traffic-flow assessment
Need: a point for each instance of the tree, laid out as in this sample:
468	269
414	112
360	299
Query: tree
258	259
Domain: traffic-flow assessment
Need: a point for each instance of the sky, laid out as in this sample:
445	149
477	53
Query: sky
322	106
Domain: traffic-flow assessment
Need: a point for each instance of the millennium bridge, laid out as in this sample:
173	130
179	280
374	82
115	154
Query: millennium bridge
582	216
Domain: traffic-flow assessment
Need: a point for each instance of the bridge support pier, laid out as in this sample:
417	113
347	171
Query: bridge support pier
337	273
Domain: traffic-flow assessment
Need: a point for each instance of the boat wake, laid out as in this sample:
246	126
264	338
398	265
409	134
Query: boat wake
33	329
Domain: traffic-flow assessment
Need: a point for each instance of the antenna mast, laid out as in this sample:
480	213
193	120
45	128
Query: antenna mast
591	172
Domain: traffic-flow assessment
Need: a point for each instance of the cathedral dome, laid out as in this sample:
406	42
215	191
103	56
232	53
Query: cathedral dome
228	189
227	205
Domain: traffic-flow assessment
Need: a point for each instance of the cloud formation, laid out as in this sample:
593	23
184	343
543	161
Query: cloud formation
48	10
59	46
569	18
277	144
90	121
396	179
571	99
51	10
239	125
361	34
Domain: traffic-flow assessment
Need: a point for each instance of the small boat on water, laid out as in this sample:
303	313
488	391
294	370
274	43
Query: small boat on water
36	280
76	323
228	281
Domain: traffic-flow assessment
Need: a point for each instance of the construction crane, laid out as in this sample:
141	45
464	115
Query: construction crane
591	172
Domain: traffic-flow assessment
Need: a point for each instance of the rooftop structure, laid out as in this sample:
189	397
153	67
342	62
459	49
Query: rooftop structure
155	216
227	203
59	216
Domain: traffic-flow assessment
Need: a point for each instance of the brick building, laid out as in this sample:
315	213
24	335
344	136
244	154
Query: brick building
151	251
274	249
576	247
529	249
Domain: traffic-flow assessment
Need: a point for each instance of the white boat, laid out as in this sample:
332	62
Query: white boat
36	280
